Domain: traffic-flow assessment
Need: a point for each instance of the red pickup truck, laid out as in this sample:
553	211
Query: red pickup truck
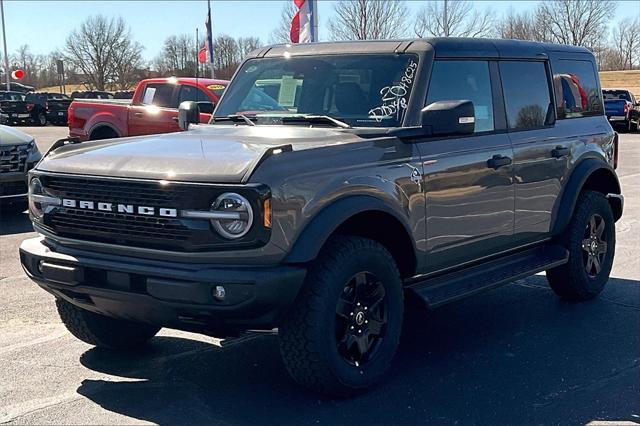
153	109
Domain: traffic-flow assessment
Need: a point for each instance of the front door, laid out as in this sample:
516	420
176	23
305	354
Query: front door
468	180
155	112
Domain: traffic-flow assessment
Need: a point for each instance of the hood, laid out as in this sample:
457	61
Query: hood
207	153
11	136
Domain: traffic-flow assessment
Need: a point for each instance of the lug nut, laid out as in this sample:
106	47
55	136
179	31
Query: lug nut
351	327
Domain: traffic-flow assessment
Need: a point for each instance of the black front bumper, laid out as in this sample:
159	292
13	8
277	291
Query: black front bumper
174	295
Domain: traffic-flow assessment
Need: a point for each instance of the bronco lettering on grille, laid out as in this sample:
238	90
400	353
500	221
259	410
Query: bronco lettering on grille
119	208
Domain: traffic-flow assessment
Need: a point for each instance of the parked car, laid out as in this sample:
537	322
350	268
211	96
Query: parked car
18	154
622	109
124	94
427	169
34	108
17	87
91	94
153	109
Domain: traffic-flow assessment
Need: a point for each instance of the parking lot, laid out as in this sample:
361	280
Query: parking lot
514	355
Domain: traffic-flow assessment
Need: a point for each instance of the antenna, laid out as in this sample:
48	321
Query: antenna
197	62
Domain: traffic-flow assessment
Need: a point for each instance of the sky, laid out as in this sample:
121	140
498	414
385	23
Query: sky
44	25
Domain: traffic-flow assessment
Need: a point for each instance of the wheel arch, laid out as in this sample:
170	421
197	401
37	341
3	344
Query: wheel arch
590	174
363	216
100	126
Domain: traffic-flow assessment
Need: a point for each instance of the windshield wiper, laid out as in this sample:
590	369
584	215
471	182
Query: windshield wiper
316	118
236	118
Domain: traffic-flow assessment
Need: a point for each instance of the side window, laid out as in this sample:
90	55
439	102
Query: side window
576	88
158	94
526	93
191	93
456	80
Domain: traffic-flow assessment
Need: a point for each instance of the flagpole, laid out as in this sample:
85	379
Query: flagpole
314	20
197	62
210	38
6	55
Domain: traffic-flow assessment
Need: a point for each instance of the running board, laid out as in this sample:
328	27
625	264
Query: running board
452	286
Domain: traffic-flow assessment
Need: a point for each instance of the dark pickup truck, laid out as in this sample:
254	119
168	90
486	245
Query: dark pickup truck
622	109
34	108
381	171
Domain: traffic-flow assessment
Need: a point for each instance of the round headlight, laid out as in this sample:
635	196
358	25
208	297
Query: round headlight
35	188
238	212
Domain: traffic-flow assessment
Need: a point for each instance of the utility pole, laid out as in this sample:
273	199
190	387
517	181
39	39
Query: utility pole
6	54
314	21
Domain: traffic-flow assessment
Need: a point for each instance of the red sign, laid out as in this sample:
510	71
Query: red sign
17	75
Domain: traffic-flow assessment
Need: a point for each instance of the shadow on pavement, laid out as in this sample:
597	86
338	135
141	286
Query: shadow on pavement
14	219
512	356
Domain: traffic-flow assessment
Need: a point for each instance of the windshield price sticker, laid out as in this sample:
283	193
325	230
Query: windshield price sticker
394	98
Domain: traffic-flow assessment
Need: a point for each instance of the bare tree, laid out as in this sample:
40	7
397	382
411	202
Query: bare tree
246	45
575	22
127	65
368	19
178	56
626	43
523	26
98	46
453	18
226	55
281	34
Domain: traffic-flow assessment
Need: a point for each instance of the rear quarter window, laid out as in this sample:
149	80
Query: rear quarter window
527	96
576	88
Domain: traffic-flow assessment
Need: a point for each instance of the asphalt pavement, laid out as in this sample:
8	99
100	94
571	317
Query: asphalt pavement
515	355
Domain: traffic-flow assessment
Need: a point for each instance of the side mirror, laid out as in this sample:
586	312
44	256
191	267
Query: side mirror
188	113
449	118
206	107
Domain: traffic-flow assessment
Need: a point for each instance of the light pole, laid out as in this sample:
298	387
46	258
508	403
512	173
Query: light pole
6	55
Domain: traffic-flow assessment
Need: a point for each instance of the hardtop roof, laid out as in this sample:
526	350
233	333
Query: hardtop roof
442	47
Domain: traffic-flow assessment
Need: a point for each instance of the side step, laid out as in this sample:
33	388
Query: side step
452	286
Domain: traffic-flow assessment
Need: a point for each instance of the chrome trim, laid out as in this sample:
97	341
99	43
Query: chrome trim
201	214
53	201
14	196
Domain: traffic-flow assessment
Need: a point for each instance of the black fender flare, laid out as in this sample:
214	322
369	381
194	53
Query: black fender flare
103	124
319	228
563	211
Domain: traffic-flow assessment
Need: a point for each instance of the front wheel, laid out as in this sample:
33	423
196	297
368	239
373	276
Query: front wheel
590	238
344	328
42	119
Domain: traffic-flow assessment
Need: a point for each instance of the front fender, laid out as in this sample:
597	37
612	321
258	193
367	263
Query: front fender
315	234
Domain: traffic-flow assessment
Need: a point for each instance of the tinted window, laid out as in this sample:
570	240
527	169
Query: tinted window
191	93
576	87
464	80
11	96
526	94
159	95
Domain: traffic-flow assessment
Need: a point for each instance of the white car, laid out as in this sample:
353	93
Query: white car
18	154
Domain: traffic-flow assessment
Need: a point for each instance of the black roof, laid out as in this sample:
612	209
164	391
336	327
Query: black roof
442	47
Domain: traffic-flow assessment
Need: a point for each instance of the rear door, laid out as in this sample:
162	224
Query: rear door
195	94
468	180
156	110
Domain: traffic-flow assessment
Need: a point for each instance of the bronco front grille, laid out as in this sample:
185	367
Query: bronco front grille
13	158
135	230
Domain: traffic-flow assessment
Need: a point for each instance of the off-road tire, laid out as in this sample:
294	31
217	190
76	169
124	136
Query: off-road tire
307	336
103	331
633	127
42	119
571	281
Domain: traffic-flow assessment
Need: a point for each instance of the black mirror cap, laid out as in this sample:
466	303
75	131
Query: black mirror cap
444	118
188	113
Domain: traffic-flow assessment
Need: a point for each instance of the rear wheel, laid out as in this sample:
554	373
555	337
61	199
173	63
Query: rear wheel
103	331
42	119
590	239
345	326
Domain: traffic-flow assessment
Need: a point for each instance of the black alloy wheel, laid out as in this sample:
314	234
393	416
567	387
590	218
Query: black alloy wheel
361	318
594	245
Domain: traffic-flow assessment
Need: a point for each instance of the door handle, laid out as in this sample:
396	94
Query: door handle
498	161
138	114
560	151
175	119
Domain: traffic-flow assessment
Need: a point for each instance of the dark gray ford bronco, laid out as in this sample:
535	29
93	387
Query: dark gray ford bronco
335	182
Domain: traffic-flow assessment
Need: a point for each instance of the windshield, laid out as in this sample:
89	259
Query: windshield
361	90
